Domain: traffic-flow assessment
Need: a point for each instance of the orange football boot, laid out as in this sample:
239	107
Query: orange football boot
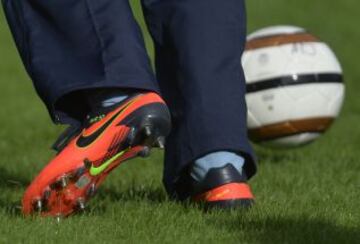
223	188
129	129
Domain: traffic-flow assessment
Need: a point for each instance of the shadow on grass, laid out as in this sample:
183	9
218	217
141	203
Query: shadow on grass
300	229
10	180
147	193
134	193
11	208
277	157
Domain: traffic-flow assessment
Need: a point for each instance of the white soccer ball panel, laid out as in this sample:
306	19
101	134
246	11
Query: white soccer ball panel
296	102
269	107
336	97
311	103
251	120
311	58
264	63
287	60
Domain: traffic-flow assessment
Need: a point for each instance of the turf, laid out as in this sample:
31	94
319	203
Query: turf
308	195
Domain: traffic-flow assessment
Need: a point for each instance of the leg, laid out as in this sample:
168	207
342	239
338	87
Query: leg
73	45
75	50
198	49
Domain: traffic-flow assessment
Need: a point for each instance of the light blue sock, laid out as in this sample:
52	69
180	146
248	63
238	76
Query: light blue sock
111	100
219	159
102	98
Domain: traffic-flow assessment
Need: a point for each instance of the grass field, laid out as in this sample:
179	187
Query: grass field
307	195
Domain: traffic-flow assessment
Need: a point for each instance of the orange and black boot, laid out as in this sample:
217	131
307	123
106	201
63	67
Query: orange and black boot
108	138
223	188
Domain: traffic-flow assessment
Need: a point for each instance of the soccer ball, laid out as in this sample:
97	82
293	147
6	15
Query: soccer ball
294	86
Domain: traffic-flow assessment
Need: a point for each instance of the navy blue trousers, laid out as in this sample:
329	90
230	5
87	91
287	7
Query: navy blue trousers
71	46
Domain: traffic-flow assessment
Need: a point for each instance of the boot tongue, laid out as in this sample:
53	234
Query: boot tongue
96	118
105	102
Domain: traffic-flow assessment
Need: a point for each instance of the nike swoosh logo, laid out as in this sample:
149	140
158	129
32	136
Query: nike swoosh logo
94	171
85	141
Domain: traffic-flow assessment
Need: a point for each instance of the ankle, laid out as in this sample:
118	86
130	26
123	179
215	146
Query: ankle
213	160
105	97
